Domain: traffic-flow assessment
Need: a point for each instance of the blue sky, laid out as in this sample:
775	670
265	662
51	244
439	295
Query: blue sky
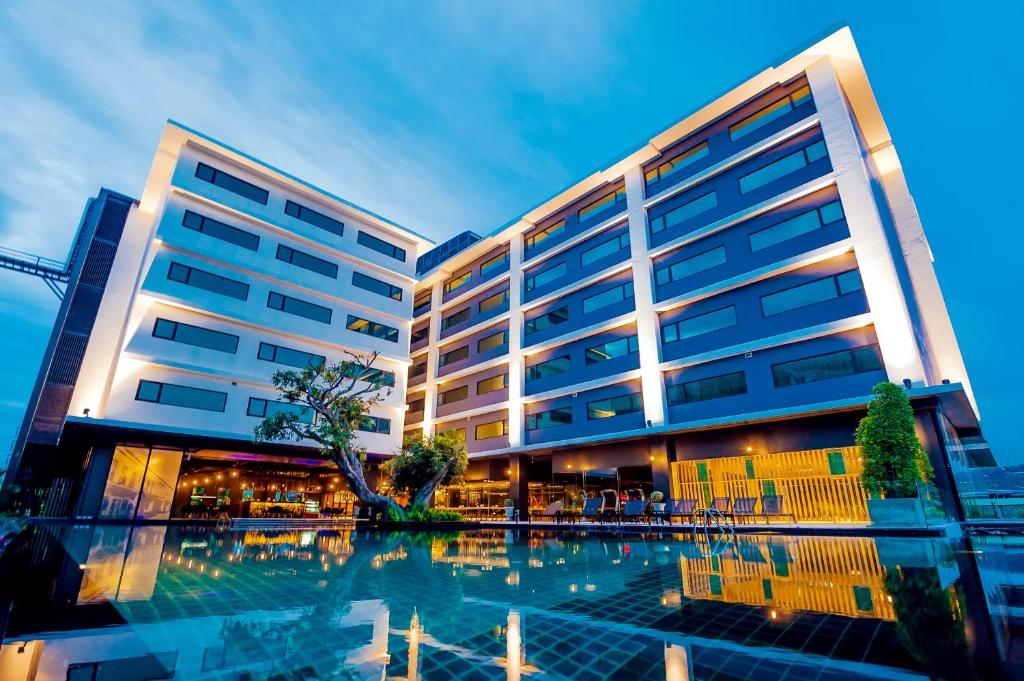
461	115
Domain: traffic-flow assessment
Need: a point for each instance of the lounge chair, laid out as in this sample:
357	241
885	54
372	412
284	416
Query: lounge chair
681	508
771	507
634	510
551	512
743	507
592	510
723	505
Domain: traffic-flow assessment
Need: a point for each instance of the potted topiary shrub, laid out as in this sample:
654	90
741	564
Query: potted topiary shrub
510	509
658	501
894	460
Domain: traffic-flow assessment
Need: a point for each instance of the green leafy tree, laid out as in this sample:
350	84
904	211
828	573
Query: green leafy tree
423	464
894	459
329	402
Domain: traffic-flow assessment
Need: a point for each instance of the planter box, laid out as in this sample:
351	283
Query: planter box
896	512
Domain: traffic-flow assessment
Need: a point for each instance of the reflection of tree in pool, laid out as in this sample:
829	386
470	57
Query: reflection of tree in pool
930	628
417	582
311	642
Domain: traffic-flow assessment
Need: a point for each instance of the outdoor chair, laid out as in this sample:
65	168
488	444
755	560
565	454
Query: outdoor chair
634	510
681	508
552	511
592	510
771	507
743	507
723	505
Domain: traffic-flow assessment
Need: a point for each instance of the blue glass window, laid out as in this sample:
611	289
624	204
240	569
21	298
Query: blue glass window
496	340
299	308
375	329
534	281
381	288
610	297
812	292
701	204
782	167
220	230
547	320
232	183
381	246
549	419
603	250
775	110
208	281
684	268
261	408
307	261
269	352
456	318
539	237
612	198
491	302
375	424
699	325
705	389
452	356
310	216
796	226
551	367
671	167
612	349
195	335
615	406
181	396
831	365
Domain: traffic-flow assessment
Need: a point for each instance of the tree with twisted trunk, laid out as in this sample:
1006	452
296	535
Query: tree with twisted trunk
328	402
424	463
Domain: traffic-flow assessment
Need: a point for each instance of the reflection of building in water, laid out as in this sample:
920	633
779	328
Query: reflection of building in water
122	564
192	610
836	575
484	552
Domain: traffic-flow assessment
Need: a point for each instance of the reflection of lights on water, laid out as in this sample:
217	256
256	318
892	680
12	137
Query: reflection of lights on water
535	563
590	587
514	647
512	578
774	615
573	588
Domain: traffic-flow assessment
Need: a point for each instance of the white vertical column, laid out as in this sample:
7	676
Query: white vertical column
430	393
515	338
643	291
885	295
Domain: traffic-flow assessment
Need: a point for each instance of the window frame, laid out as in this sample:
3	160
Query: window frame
253	189
329	224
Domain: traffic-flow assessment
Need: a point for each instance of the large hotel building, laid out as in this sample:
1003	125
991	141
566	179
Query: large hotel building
705	316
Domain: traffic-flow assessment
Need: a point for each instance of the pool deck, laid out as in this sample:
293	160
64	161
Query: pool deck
834	529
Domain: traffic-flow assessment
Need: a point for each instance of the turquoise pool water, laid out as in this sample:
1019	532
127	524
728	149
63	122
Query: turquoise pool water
107	602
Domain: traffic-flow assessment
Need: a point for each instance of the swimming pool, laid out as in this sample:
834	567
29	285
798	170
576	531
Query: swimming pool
114	602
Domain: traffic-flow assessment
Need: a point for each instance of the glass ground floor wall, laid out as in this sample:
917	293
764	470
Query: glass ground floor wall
485	499
820	485
140	483
260	490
